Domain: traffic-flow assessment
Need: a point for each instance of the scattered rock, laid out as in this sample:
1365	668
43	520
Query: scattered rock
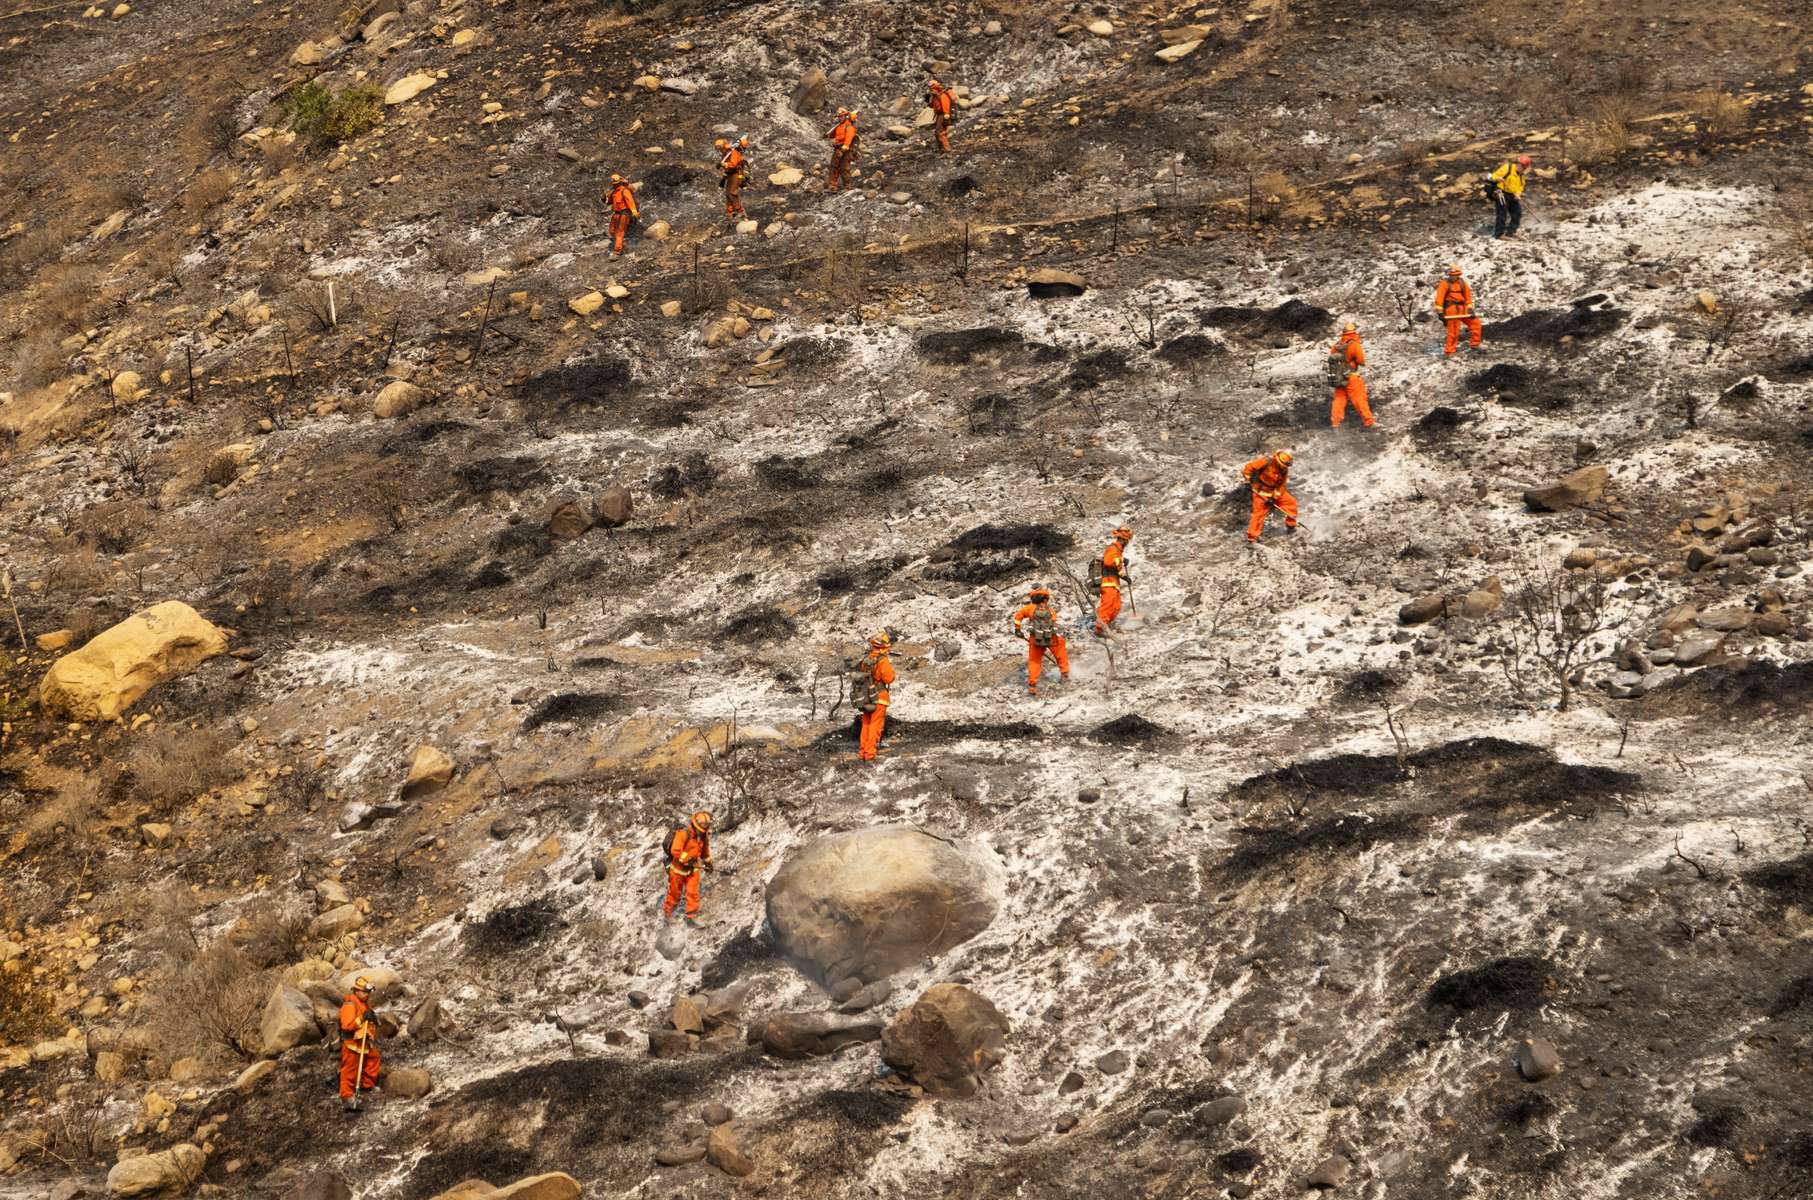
105	677
587	304
613	507
1048	283
1571	491
288	1021
1707	302
724	1150
1113	1062
687	1015
671	1043
321	1185
809	93
786	177
870	903
1100	28
310	54
1178	51
399	398
168	1172
946	1040
1537	1059
1222	1111
336	922
409	87
1422	610
429	771
811	1035
1330	1174
109	1066
253	1075
555	1186
568	518
1580	558
1692	650
224	464
154	834
406	1083
715	1114
680	1154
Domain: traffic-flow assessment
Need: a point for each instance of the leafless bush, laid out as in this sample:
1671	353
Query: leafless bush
76	571
55	229
112	527
1552	625
39	361
271	933
844	271
279	153
208	189
1721	114
67	294
26	1012
68	816
738	770
169	925
211	1003
1270	193
173	765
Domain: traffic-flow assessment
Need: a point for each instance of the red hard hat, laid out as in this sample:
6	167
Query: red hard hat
1524	161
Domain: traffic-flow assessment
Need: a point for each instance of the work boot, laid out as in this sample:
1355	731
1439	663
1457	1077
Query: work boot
1290	529
349	1104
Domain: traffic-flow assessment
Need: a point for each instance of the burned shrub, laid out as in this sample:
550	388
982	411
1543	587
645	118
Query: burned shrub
692	475
511	473
1585	320
568	707
990	552
1518	981
1291	317
1438	422
734	959
591	383
787	474
1129	729
515	925
1190	348
764	623
1278	846
1095	369
966	347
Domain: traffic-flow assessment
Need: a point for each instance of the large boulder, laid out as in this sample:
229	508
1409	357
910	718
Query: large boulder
288	1021
166	1173
104	678
946	1040
809	93
554	1186
866	904
1570	491
406	1083
809	1035
613	507
399	398
430	770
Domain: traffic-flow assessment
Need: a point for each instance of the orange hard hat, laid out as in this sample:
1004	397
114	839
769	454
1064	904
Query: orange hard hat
933	83
701	820
1283	457
881	640
1523	160
1454	268
1039	590
1350	327
722	143
1124	534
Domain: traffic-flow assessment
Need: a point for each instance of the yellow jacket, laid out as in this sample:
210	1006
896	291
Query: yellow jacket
1509	179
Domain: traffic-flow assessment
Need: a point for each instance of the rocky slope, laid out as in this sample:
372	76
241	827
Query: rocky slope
522	553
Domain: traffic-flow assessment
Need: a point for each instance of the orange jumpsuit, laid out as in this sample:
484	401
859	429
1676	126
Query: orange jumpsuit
1354	390
1454	301
843	152
623	211
1268	478
734	177
1035	653
1114	568
356	1032
939	97
881	670
686	850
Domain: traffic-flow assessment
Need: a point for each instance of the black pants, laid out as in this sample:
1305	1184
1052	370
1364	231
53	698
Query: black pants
1510	214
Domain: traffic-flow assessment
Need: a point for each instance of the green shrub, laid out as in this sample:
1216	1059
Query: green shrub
321	115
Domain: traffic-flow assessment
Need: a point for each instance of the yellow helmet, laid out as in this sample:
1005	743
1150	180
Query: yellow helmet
881	641
616	179
362	984
1283	458
1350	327
701	821
722	143
1454	268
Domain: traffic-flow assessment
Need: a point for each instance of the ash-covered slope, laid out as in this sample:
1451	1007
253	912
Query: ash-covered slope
1290	877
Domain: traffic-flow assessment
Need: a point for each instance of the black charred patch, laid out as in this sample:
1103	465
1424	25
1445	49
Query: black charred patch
1528	1108
961	347
418	435
1270	847
1130	729
1795	995
1240	1160
994	413
591	384
1518	982
1309	409
1438	422
1798	367
1717	1125
1292	317
1788	881
990	552
734	958
962	186
491	575
842	580
787	474
515	926
811	352
1582	322
864	1108
1371	685
665	181
692	475
525	539
1754	690
1524	387
1097	368
511	473
568	707
900	732
1190	348
761	624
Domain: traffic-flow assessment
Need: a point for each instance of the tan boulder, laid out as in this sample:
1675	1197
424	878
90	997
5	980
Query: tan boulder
168	1172
409	87
104	678
429	771
398	398
556	1185
587	304
224	463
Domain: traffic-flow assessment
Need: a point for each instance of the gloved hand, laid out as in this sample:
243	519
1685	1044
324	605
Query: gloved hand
709	865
